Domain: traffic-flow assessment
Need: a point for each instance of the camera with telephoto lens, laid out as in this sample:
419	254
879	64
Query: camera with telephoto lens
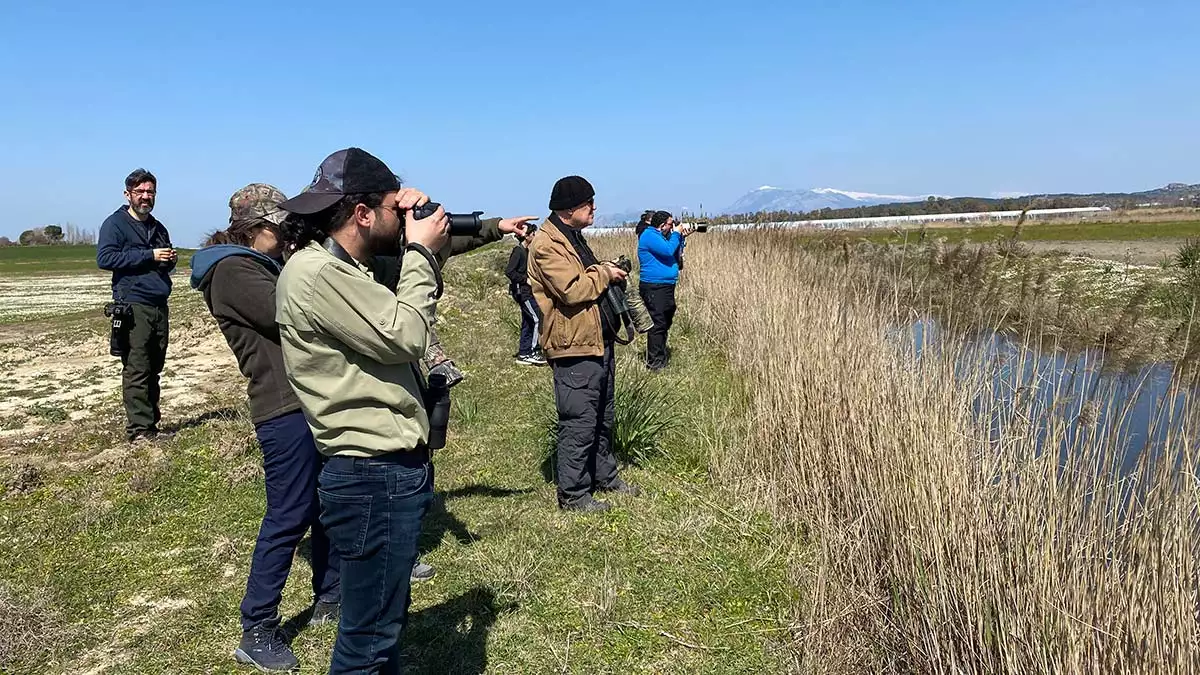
121	314
461	224
628	307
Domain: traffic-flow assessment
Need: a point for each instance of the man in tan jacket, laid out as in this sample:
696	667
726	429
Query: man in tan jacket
577	338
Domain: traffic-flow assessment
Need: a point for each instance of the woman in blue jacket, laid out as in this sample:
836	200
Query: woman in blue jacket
660	248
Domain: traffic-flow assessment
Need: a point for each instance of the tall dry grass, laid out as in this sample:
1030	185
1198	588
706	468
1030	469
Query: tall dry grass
947	538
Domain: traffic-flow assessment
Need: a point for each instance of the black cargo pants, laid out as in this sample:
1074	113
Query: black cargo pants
143	363
584	391
660	303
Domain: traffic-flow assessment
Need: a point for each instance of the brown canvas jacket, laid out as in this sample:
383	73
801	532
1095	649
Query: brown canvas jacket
566	292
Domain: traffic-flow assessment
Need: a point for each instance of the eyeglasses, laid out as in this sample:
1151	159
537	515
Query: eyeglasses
146	193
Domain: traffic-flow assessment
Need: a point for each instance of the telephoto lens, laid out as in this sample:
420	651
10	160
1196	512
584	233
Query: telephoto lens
461	224
437	407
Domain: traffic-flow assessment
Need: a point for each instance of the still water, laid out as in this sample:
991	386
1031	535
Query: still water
1075	392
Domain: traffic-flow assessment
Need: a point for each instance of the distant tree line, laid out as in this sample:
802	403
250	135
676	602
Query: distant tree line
940	205
50	235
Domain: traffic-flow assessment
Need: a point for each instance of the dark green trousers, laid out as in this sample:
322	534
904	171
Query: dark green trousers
142	365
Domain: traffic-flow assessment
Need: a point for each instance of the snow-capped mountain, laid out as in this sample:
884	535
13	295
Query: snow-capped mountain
769	198
617	219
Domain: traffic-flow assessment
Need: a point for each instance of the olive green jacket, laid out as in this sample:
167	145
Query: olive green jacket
351	349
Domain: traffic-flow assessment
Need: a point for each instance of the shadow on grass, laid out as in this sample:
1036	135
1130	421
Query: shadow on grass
452	637
227	413
440	521
295	625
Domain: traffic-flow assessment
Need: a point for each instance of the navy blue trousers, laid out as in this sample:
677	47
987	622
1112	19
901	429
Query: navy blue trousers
531	323
292	465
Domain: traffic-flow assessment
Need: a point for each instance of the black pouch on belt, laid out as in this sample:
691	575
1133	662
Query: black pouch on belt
121	314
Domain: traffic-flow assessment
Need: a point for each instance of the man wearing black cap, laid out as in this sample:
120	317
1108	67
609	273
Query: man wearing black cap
577	337
352	348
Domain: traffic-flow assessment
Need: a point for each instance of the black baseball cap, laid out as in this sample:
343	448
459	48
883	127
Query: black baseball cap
352	171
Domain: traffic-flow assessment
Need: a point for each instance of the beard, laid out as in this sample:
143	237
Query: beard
142	208
383	244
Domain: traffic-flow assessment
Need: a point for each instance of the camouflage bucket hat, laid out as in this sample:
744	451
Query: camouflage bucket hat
257	201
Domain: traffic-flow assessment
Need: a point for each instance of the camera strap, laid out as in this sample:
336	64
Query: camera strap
391	278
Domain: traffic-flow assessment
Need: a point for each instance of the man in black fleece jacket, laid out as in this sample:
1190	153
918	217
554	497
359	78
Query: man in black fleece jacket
137	249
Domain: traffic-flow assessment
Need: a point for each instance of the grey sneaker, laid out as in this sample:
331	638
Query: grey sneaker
325	612
264	648
536	360
585	504
422	572
619	486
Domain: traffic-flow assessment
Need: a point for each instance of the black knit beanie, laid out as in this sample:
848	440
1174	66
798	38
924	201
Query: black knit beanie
570	192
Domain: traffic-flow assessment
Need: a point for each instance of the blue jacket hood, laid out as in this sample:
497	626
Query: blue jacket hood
206	258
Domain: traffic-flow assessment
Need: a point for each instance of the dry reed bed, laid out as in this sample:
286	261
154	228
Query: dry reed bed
938	545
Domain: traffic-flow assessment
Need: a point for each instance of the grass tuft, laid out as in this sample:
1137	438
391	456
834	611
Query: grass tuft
30	627
647	410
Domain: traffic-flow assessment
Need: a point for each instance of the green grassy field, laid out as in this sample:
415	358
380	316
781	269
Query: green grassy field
1035	232
22	260
135	561
44	259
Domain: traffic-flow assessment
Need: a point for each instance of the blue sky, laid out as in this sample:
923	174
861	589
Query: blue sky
667	104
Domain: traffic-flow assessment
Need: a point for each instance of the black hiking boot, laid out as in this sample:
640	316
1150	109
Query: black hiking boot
619	486
263	647
585	504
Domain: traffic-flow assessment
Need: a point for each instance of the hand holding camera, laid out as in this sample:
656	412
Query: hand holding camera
616	273
410	198
430	230
164	254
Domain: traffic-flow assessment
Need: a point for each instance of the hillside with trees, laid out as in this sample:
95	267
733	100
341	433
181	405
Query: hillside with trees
1173	195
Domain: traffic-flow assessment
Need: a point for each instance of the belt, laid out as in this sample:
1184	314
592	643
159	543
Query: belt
409	458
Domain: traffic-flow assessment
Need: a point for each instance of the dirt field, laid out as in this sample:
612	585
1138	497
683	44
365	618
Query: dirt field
23	298
60	369
1149	252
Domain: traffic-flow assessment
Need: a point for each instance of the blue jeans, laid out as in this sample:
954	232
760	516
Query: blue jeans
291	464
372	509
